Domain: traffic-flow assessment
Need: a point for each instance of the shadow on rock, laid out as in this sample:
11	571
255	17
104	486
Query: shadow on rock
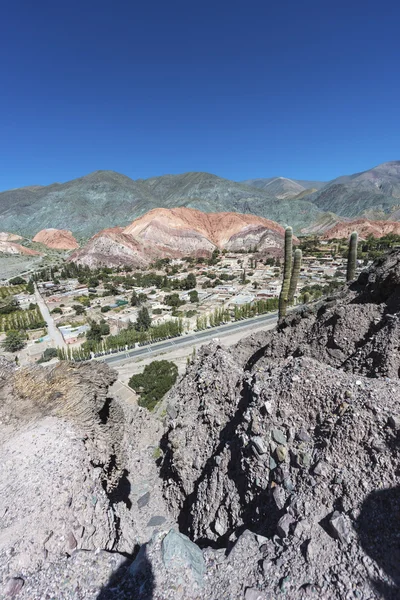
379	531
133	579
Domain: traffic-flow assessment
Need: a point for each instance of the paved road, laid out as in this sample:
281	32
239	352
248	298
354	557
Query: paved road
52	330
194	338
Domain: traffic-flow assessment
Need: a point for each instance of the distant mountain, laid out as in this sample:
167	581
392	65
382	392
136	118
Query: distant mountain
374	193
282	187
179	232
104	199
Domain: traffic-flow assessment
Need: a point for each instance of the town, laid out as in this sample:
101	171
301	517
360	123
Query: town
73	312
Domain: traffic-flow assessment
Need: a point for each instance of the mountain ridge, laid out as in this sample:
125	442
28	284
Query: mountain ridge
105	198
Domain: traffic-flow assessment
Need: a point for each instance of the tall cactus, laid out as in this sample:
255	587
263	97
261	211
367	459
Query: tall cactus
352	257
295	275
287	269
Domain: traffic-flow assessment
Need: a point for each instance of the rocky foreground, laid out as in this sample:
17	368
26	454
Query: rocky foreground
272	469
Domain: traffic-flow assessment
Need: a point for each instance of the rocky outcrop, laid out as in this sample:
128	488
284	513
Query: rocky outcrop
279	467
58	239
180	232
75	461
294	435
364	228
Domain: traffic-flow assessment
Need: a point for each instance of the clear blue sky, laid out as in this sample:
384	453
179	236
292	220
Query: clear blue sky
301	88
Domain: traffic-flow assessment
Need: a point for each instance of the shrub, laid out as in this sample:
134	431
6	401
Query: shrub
17	281
56	311
156	380
47	355
79	309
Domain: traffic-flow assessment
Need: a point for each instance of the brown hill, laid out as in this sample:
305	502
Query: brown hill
364	228
180	232
59	239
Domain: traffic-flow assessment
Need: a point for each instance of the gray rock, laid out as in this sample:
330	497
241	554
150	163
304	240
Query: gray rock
72	544
321	469
259	444
13	586
143	500
156	520
178	553
340	527
284	524
253	594
394	422
303	459
279	497
278	436
303	436
281	453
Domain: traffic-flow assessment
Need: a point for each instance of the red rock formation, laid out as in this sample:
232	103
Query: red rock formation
364	228
180	232
59	239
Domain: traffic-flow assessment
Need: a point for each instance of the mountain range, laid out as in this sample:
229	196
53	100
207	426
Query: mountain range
104	199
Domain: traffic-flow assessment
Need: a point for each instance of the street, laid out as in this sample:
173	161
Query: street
52	330
193	338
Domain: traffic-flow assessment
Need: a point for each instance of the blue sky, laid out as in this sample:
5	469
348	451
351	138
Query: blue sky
305	89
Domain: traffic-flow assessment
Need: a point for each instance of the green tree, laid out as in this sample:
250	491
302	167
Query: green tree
79	309
190	282
173	300
14	341
17	281
143	320
135	301
157	378
194	296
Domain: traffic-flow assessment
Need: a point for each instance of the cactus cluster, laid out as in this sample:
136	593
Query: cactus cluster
290	273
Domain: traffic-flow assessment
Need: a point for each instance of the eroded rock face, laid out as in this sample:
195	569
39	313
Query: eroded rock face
180	232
